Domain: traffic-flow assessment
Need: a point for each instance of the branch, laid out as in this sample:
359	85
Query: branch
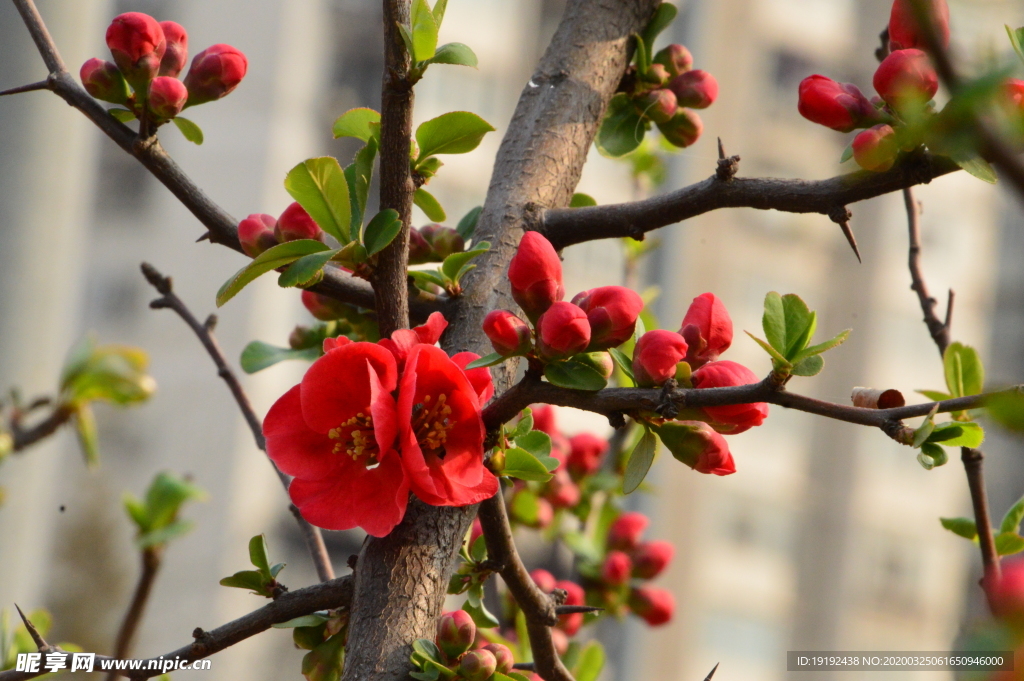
169	300
568	226
27	437
223	228
336	593
938	329
150	566
972	460
537	606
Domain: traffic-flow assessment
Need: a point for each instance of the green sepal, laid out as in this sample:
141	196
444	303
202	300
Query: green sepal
192	132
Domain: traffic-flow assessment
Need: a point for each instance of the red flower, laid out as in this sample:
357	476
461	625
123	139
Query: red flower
611	313
214	73
456	631
103	80
655	606
509	335
585	454
904	30
906	76
840	106
536	275
562	331
701	448
256	233
658	105
733	418
503	655
561	491
575	595
651	558
683	129
675	58
324	307
1007	595
624	534
1013	89
695	89
295	223
479	378
544	580
707	330
443	241
335	433
167	96
655	357
876	148
137	43
403	341
442	433
616	568
177	49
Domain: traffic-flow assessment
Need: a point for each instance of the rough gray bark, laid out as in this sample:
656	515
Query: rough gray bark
401	579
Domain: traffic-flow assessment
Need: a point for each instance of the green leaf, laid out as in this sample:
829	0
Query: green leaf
926	461
524	425
809	366
428	277
486	361
969	435
624	363
123	115
88	436
1008	543
800	324
319	185
246	579
935	395
481	615
838	340
964	527
456	132
663	16
429	205
847	153
163	534
424	31
137	511
270	259
306	270
775	355
1012	519
1016	40
575	375
313	620
537	442
258	553
591	659
642	56
640	461
1007	409
427	649
467	225
258	355
965	374
192	132
454	53
923	431
359	175
622	129
356	123
774	322
478	551
454	265
582	201
974	165
407	40
381	231
521	464
439	7
935	453
944	432
164	499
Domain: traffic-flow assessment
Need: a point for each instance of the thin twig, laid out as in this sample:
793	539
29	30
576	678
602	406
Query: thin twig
973	465
939	330
23	438
151	558
31	87
204	332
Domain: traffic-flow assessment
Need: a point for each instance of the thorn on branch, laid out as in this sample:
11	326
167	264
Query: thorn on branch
211	323
715	668
204	237
37	638
31	87
574	609
727	167
841	216
948	324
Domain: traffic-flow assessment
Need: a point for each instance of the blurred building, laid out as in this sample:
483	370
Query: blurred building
826	538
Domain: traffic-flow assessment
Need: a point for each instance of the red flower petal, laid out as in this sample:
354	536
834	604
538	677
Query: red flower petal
336	387
332	343
402	341
479	378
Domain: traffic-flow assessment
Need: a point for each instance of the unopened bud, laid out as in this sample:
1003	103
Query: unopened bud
544	580
214	73
658	105
509	335
536	275
695	89
651	558
625	532
840	106
675	58
562	331
167	97
324	308
655	606
419	250
137	43
455	633
104	81
477	665
683	129
303	337
657	74
256	233
502	655
295	223
906	78
876	148
176	55
616	568
443	240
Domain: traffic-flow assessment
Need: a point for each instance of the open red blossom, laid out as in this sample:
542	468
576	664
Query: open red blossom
403	341
707	330
442	432
656	356
733	418
905	30
585	454
479	378
611	312
335	432
536	275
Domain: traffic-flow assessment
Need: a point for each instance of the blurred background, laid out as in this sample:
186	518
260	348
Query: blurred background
827	538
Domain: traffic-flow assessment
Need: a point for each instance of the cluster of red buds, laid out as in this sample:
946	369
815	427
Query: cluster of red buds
433	243
260	231
669	91
148	56
629	559
896	120
464	655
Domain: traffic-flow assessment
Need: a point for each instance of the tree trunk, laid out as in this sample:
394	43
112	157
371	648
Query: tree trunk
401	579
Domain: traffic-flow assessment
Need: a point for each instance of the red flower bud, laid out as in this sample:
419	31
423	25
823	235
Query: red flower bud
443	240
562	331
656	356
561	491
419	250
655	606
651	558
876	148
658	105
544	419
675	58
536	275
322	307
295	224
137	43
616	568
455	633
1007	595
684	129
707	330
611	312
575	595
214	73
103	80
502	655
624	534
177	49
840	106
700	447
904	29
695	89
477	665
167	97
544	580
509	335
256	233
1013	89
733	418
656	75
906	76
586	453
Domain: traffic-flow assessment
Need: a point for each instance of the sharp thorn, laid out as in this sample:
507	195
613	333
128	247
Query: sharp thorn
848	233
31	87
712	672
40	642
573	609
205	237
721	150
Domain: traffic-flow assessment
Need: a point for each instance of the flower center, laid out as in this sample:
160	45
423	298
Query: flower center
355	438
431	424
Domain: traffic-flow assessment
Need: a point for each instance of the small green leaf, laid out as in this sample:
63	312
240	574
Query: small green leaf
774	322
537	442
313	620
964	434
934	452
258	553
1012	519
622	129
809	366
582	201
381	231
935	395
356	123
88	436
467	225
486	361
800	324
246	579
427	649
924	431
424	31
1016	40
965	374
359	175
478	551
591	660
838	340
429	205
439	7
521	464
270	259
640	461
454	53
407	40
944	432
454	265
663	16
456	132
575	375
926	461
123	115
976	166
306	270
164	534
481	615
319	185
425	277
192	132
1007	409
964	527
1008	543
779	360
642	58
624	363
847	153
524	425
258	355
